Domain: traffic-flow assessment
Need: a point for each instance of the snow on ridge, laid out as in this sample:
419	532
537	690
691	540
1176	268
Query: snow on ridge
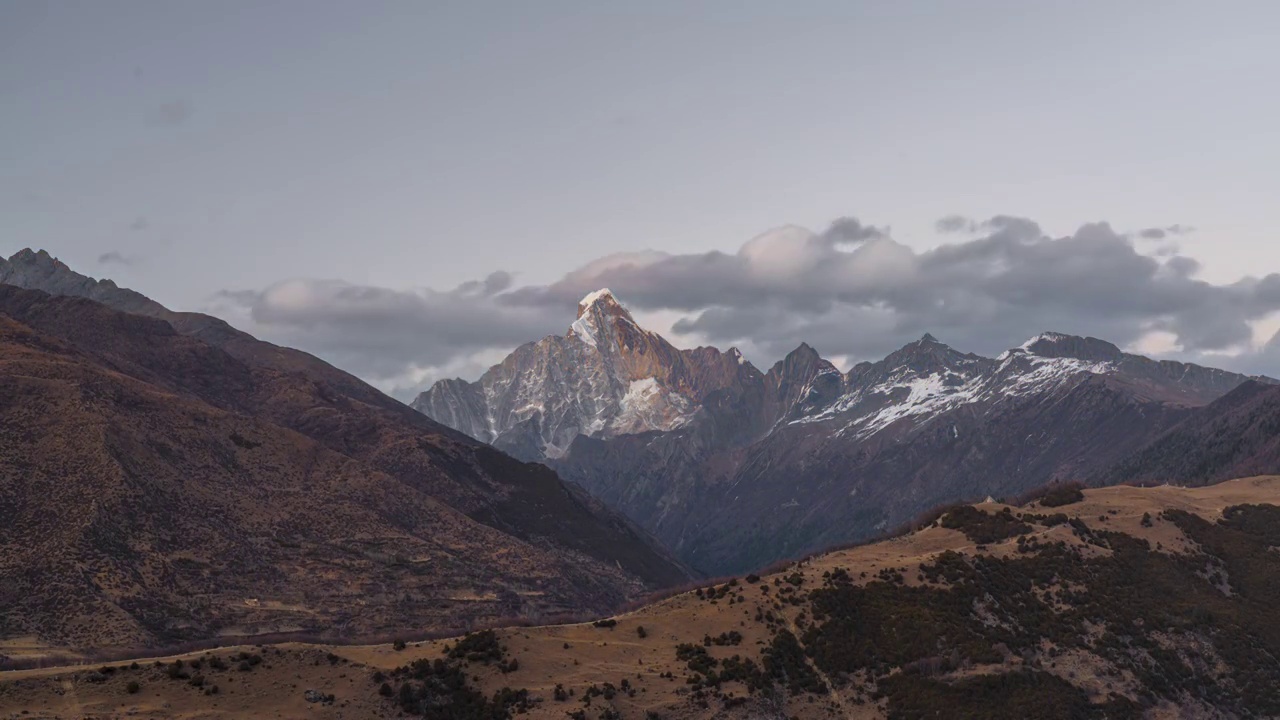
927	395
1046	337
1049	371
594	296
932	394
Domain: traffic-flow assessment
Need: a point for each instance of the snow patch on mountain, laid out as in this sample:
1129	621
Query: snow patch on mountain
648	405
928	395
1044	373
582	330
639	391
591	297
1043	337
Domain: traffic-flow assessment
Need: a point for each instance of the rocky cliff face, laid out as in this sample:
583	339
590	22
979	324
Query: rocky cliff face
805	456
605	377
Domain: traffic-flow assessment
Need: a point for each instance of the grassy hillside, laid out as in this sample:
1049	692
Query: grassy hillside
1131	602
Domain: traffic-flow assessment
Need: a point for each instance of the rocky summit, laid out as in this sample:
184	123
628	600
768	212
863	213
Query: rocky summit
606	376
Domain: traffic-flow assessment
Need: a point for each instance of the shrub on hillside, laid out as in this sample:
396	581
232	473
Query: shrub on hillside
1062	494
983	527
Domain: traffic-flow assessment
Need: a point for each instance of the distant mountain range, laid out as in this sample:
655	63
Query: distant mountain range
733	467
165	477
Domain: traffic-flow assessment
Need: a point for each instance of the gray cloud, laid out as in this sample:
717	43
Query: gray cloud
170	114
495	283
851	290
114	258
1264	362
1008	224
387	334
139	224
850	231
953	224
1160	233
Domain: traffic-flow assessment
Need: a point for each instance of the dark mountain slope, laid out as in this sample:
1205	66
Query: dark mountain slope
1237	435
149	496
134	515
295	390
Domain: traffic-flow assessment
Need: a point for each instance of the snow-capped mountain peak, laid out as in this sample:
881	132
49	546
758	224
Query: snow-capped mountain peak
605	376
597	313
602	295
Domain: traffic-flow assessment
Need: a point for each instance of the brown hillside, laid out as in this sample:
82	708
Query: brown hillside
1137	602
294	390
149	496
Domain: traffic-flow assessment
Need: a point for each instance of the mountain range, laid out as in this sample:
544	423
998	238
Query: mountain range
165	477
805	456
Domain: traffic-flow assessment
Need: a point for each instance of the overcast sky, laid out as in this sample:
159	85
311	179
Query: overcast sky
411	189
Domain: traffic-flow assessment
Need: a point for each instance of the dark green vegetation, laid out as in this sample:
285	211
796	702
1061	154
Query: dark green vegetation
1006	637
1238	435
439	689
203	675
984	527
784	667
1024	612
1262	521
1009	696
1059	495
1062	621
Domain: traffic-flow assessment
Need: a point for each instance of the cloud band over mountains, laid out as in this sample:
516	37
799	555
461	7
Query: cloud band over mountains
851	290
